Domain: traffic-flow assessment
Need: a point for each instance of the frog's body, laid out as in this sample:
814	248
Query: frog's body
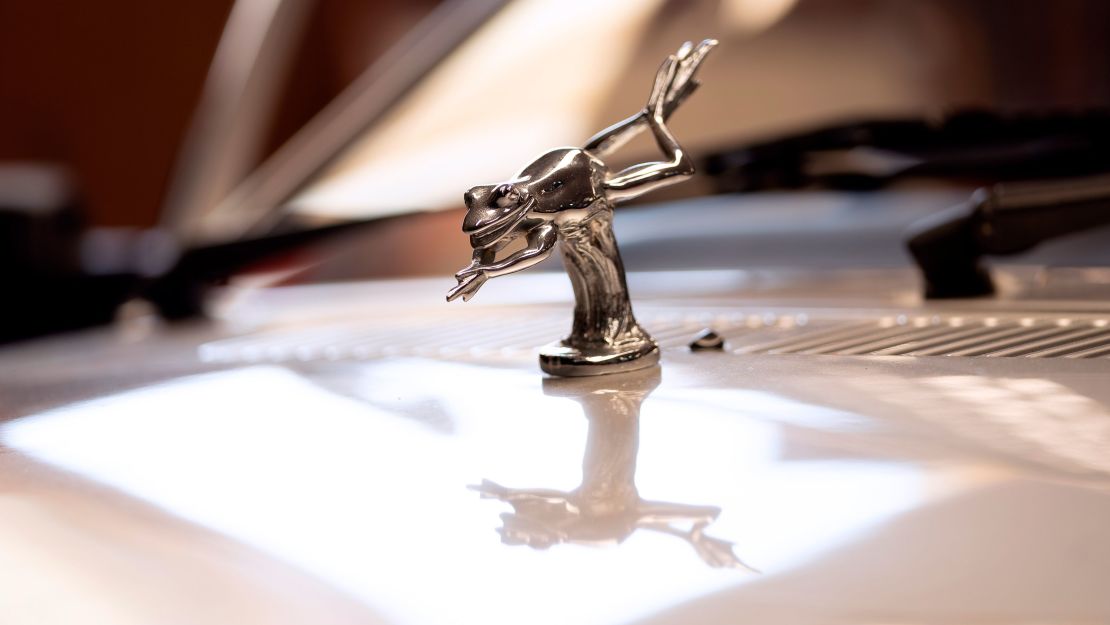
563	187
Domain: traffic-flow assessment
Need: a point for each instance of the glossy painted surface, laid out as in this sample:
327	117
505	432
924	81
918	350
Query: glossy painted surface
333	489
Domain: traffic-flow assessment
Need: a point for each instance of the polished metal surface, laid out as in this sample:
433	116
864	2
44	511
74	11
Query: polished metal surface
708	339
567	196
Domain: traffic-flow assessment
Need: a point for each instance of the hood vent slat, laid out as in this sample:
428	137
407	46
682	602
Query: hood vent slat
513	334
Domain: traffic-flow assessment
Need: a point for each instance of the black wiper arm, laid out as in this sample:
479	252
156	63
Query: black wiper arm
870	154
1008	218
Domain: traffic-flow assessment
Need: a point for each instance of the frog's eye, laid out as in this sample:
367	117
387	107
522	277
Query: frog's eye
507	196
556	184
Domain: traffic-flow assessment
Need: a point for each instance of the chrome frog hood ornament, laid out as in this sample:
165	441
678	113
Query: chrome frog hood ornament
567	196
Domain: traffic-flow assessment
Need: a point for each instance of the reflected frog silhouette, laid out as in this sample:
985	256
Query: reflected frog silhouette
606	507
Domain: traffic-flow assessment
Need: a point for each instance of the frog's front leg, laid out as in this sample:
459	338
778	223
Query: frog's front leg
540	242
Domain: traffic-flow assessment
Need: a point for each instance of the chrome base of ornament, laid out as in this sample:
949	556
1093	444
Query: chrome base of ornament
565	360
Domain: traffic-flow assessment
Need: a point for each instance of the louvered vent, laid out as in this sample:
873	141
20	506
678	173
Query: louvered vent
954	336
515	333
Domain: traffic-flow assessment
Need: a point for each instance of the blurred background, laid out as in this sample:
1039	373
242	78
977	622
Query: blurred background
150	150
108	91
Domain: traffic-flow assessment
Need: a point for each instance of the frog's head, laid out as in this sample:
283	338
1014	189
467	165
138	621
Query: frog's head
562	179
493	211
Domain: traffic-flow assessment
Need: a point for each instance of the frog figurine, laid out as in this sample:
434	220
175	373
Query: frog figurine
566	196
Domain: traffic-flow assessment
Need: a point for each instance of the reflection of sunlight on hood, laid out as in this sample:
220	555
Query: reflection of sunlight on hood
781	512
1030	420
375	502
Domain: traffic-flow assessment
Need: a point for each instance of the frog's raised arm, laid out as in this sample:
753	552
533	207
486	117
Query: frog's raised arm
614	137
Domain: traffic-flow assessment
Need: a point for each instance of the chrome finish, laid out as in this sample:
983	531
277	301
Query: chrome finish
707	339
567	195
606	507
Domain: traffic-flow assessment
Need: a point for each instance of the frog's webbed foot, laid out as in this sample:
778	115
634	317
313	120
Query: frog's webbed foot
675	80
669	92
467	286
683	82
473	276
